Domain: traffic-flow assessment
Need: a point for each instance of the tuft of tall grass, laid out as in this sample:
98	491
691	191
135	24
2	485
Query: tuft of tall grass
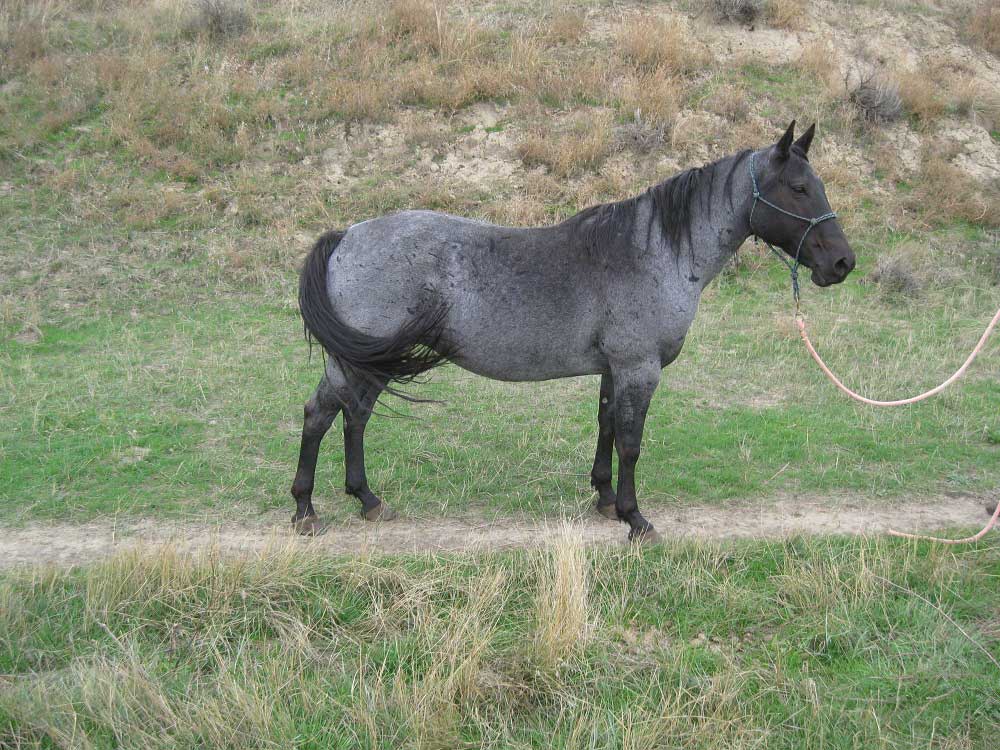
983	26
562	606
661	42
584	144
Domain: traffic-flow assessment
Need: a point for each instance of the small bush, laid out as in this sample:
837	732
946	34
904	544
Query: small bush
218	19
983	26
877	99
895	277
739	11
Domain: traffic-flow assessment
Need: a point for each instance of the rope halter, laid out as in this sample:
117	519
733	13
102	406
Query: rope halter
812	222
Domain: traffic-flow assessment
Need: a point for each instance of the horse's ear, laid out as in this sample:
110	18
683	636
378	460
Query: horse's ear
785	144
806	140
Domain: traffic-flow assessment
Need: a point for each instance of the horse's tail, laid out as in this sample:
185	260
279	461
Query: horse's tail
396	359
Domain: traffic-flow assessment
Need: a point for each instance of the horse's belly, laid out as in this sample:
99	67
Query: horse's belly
526	360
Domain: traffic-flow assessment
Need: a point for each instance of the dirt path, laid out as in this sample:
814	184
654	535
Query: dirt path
66	544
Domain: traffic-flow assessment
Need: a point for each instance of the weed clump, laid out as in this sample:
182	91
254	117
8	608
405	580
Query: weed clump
738	11
650	43
218	19
877	99
983	26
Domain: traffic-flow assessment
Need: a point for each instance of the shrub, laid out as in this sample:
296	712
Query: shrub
877	99
218	19
740	11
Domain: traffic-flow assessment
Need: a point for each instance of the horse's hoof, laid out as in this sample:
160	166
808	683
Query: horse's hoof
645	536
608	511
380	512
309	526
991	509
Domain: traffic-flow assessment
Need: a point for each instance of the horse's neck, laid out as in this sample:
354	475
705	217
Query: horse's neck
719	225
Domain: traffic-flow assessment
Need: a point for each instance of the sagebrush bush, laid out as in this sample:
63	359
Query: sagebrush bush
218	19
876	99
741	11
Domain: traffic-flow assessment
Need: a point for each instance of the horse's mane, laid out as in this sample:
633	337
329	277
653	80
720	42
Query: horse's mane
609	228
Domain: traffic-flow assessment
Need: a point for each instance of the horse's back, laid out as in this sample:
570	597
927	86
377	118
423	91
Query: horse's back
520	305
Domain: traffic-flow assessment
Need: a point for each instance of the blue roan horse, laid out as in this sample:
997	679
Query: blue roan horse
611	291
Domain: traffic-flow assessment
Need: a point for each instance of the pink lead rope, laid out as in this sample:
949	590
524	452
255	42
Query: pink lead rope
900	402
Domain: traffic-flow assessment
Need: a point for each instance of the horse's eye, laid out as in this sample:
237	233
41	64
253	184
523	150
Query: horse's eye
799	189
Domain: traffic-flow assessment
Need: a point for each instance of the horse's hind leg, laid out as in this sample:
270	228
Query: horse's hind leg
320	411
356	482
600	474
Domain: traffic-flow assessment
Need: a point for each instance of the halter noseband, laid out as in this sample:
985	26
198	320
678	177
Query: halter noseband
792	267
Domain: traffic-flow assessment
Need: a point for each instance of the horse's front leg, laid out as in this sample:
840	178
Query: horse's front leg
600	474
633	388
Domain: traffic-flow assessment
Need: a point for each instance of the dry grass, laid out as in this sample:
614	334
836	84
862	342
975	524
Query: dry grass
562	600
921	95
983	26
706	646
947	193
652	98
818	59
786	14
976	100
663	43
729	101
566	26
583	145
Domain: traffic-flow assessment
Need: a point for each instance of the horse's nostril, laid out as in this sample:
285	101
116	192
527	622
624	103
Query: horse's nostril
844	266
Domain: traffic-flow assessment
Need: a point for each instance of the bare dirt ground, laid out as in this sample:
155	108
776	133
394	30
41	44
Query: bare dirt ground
66	544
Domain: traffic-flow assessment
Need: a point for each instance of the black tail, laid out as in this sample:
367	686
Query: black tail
397	359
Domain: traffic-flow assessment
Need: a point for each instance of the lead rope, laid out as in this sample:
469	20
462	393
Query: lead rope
793	269
800	320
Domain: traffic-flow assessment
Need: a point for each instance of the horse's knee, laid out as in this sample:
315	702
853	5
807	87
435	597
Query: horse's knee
628	453
600	475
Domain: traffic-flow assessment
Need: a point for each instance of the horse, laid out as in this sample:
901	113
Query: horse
611	291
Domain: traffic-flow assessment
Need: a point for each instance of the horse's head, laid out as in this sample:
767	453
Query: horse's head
791	200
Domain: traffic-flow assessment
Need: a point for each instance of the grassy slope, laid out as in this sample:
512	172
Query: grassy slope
798	644
159	185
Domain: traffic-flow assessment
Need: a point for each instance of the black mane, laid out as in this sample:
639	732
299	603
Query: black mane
608	228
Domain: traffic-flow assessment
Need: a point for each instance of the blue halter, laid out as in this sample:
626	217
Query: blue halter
792	267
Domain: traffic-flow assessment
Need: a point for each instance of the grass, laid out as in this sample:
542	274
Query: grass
160	186
163	168
197	411
833	643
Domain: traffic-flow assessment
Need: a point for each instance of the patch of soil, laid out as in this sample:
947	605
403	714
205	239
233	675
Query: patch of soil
71	544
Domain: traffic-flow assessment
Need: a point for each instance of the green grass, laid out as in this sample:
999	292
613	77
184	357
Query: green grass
193	410
799	644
